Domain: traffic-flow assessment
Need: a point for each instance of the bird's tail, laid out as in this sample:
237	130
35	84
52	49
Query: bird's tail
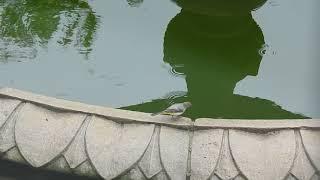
154	114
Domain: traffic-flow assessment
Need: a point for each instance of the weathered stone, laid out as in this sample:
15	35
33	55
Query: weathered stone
76	152
263	156
291	177
42	134
14	155
110	113
214	177
239	177
174	145
7	138
160	176
133	174
6	108
60	164
114	148
85	169
206	145
311	142
226	168
302	168
315	177
150	163
255	124
252	152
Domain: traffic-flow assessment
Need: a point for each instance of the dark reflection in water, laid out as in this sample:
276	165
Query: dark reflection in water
14	171
27	24
215	45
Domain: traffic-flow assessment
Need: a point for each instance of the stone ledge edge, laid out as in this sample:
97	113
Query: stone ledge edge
125	116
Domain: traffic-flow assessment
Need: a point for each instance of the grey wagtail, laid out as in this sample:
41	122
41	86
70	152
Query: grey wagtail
175	109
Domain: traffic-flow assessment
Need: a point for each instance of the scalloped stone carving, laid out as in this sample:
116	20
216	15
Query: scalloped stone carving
43	134
114	148
160	176
132	174
174	146
7	106
214	177
263	156
150	162
311	142
291	177
206	145
7	138
302	168
226	168
239	177
76	152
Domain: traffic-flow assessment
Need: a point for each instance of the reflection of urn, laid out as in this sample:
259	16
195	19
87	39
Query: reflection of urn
220	7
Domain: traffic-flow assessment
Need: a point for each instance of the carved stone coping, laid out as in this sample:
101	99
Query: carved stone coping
117	115
88	140
126	116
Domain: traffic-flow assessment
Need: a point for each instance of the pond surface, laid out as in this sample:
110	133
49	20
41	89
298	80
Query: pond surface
249	59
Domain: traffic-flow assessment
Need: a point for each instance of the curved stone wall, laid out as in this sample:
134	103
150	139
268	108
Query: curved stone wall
103	142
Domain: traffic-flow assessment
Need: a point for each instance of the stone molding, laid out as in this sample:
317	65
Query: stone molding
108	143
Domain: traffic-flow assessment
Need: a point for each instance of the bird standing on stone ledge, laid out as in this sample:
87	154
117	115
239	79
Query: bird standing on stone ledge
175	109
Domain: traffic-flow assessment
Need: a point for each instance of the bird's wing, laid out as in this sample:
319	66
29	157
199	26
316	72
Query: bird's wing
174	109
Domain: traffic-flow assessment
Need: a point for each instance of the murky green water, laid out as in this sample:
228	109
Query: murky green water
241	59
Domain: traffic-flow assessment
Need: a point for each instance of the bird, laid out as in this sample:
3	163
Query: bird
174	110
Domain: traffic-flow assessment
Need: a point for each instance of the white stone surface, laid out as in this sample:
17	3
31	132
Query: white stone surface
6	108
160	176
226	168
7	140
291	177
42	134
150	162
174	145
214	177
311	142
302	168
76	151
263	156
206	145
256	124
133	174
315	177
239	177
113	148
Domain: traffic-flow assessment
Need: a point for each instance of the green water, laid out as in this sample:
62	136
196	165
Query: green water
231	59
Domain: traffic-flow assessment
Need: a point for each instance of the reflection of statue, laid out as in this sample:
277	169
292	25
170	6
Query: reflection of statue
215	51
25	23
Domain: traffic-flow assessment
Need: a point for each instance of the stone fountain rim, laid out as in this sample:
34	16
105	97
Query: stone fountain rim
126	116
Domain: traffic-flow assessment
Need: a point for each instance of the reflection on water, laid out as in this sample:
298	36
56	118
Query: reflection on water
217	48
144	55
27	24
